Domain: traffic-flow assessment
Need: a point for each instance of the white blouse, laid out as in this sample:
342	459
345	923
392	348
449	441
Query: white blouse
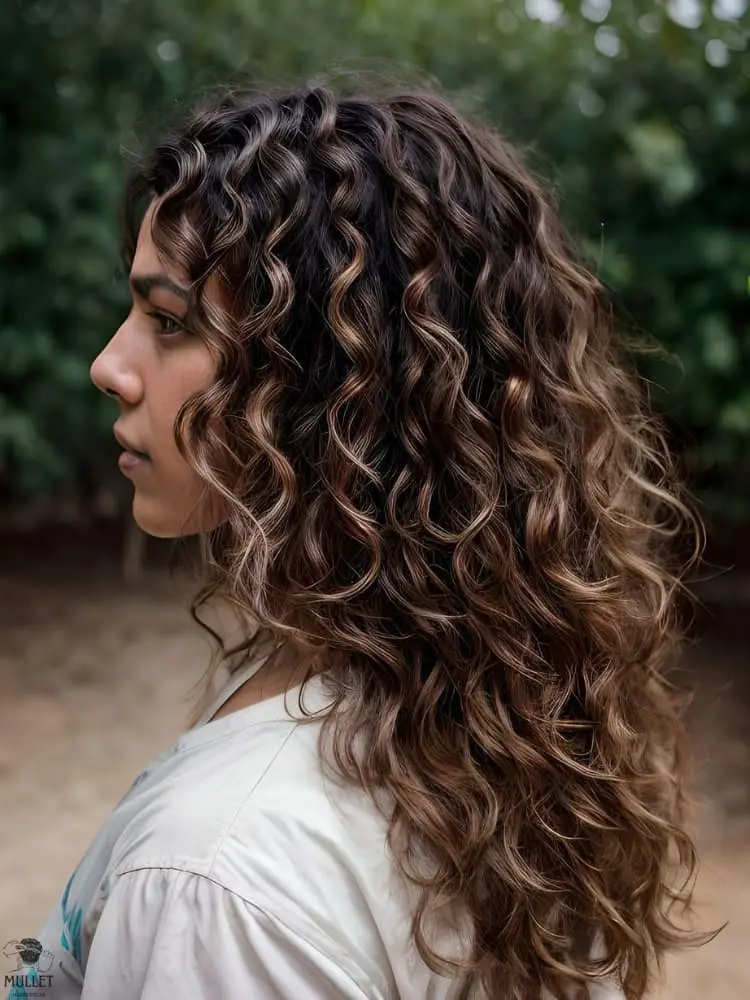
233	869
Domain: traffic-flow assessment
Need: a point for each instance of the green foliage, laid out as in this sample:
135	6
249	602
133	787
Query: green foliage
641	124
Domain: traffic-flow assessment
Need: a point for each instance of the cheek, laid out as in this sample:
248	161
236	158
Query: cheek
175	378
181	500
174	501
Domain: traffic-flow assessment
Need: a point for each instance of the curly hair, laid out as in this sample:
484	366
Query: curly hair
443	485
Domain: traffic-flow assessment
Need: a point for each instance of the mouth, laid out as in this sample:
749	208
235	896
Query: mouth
131	460
129	448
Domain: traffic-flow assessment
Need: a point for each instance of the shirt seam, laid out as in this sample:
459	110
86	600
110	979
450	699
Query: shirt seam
271	915
181	747
251	792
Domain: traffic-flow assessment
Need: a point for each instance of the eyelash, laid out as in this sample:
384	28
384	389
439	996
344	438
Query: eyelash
162	319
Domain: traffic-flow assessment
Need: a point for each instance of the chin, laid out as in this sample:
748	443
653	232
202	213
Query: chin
156	521
159	520
155	528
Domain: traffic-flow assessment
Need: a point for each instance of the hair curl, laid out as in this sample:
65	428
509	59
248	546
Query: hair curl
442	480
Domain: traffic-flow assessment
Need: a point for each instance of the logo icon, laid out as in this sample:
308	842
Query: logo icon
32	964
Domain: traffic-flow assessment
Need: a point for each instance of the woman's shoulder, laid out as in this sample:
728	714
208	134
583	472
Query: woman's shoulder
247	800
254	813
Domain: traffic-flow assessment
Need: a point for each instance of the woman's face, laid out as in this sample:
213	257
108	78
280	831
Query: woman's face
151	366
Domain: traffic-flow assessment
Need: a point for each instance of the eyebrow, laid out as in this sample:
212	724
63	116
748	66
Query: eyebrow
142	284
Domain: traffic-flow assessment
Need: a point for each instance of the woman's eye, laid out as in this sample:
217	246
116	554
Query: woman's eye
168	325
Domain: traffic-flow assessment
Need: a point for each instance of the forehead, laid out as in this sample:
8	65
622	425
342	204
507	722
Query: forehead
147	259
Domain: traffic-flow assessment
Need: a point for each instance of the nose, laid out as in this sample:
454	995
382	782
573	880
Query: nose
113	374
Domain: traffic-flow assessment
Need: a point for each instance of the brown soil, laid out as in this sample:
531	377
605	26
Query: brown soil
94	679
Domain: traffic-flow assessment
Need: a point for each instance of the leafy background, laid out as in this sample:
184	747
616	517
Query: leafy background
638	113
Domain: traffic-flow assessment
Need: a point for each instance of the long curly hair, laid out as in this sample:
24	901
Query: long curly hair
442	485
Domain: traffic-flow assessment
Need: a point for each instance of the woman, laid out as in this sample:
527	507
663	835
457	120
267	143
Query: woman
364	366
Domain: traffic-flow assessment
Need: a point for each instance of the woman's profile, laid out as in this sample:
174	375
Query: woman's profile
365	365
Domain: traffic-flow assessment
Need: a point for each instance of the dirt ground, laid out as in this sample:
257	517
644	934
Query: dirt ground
94	682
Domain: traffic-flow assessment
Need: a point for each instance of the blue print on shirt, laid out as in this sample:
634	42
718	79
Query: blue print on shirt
72	918
70	940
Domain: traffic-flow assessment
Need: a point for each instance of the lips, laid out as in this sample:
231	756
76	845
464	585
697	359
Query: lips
128	445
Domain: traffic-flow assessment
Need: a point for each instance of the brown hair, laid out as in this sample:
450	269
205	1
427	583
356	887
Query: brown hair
442	480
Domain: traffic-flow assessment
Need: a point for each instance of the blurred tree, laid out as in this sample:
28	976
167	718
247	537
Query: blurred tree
637	111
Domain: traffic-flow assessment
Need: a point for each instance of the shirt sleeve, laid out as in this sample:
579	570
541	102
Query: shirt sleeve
165	932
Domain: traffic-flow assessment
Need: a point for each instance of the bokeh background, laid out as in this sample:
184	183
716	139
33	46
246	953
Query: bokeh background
638	114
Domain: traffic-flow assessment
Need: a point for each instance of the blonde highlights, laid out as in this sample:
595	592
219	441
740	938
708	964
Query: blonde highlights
442	480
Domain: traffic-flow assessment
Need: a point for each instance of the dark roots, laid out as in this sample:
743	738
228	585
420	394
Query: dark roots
439	477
